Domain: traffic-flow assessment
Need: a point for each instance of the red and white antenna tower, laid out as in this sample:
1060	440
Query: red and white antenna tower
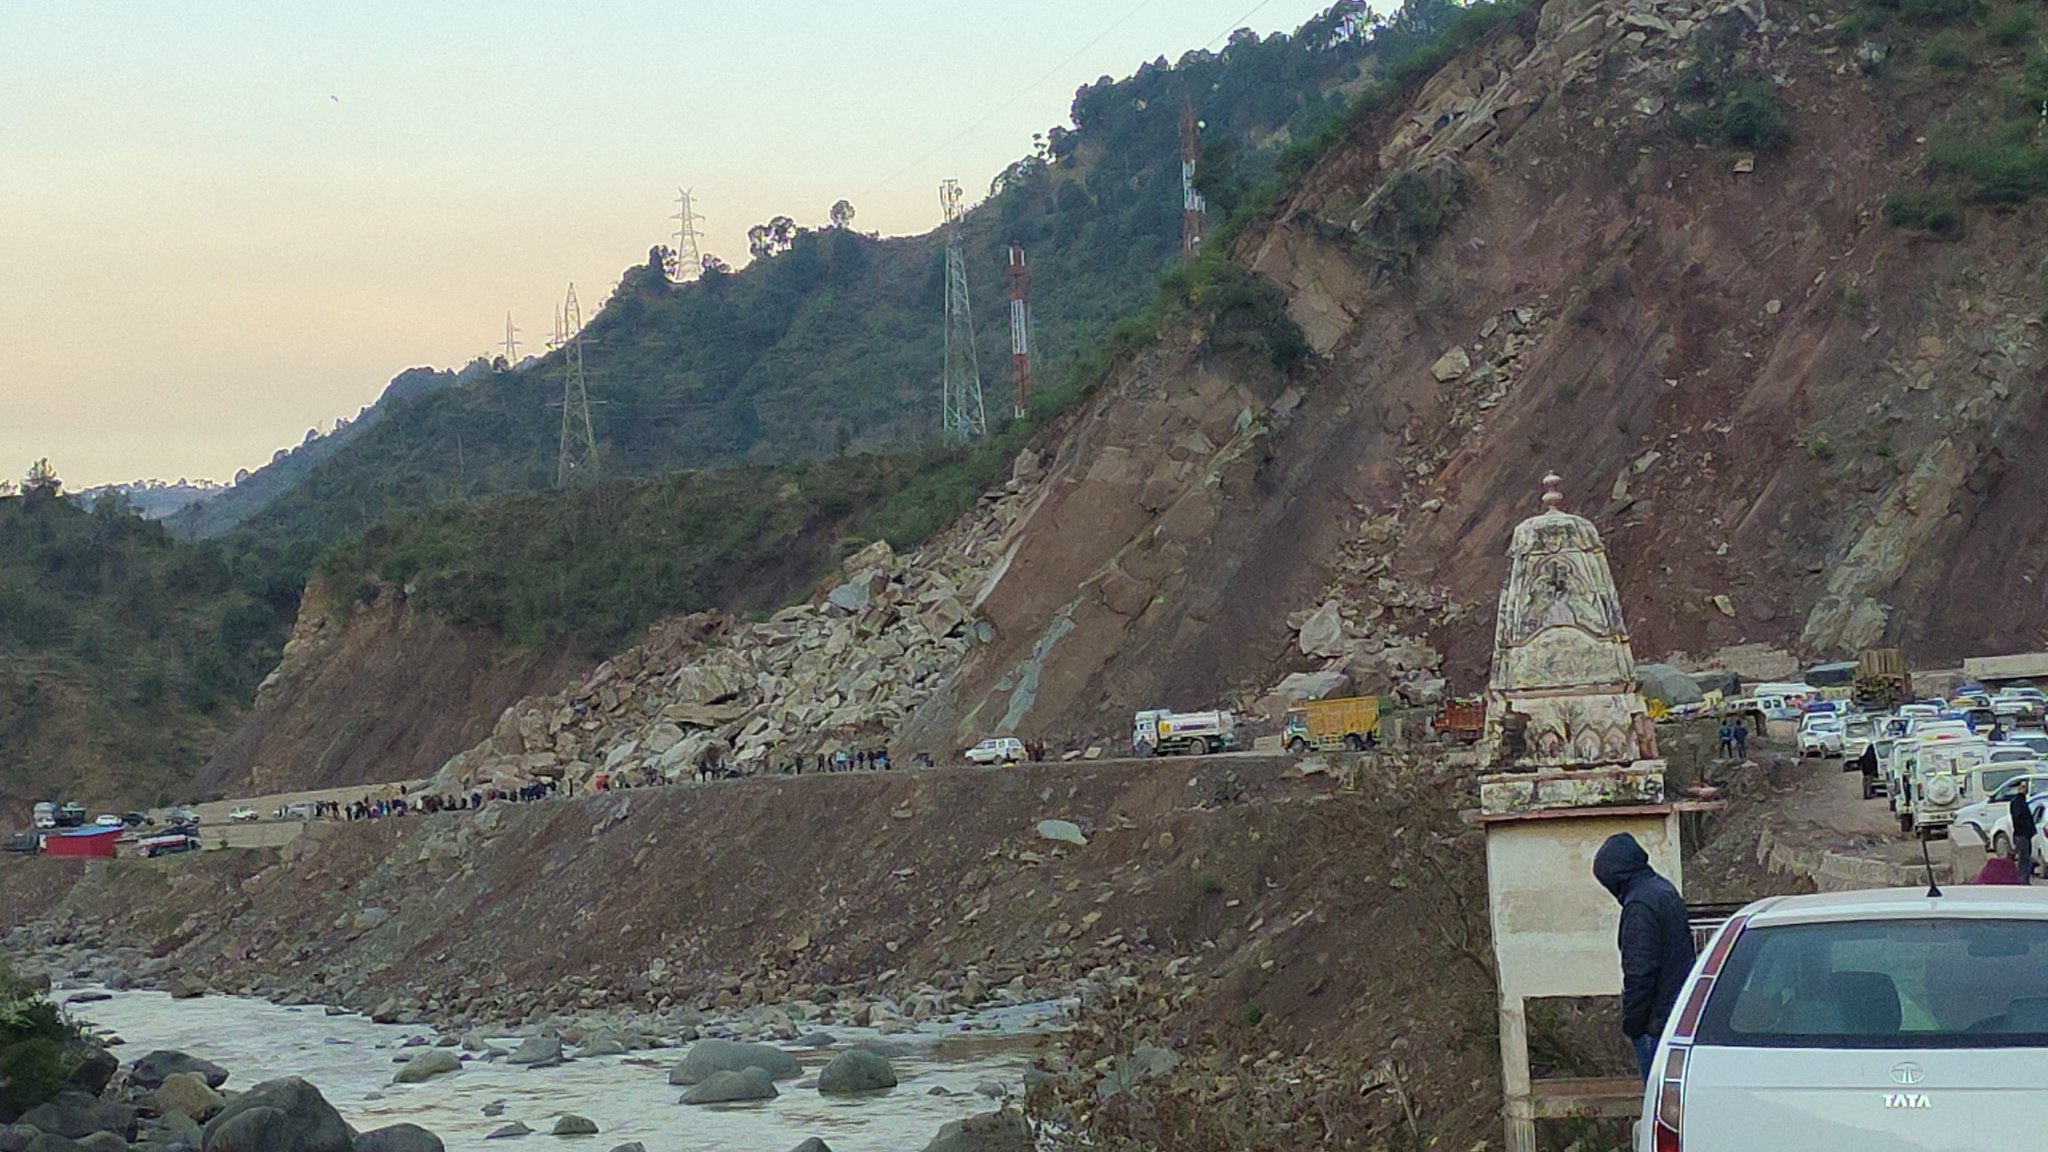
1020	325
1194	209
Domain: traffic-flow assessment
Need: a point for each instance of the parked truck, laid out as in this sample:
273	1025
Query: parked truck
1461	720
1163	732
1882	682
1347	722
46	815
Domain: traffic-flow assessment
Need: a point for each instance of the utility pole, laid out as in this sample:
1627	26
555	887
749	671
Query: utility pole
689	253
511	342
1020	325
960	413
1194	220
576	461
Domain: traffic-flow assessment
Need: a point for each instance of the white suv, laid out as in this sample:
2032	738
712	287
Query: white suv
1820	734
997	750
1889	1019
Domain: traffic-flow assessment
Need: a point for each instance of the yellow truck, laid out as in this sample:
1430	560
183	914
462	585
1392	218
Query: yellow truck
1348	722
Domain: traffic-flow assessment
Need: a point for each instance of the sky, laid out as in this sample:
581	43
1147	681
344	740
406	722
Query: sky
223	223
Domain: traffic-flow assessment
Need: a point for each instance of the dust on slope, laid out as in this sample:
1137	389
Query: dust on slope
1788	419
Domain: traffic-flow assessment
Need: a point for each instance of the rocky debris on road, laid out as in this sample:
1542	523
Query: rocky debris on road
570	1124
708	1058
731	1087
427	1065
854	1071
848	667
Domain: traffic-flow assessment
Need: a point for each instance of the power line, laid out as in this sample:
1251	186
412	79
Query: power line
1240	22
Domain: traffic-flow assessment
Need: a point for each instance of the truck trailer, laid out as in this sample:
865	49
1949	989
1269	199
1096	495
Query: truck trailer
1164	732
1347	722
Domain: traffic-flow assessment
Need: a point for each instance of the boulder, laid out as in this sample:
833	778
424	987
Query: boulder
187	1093
511	1131
855	1071
73	1115
708	1057
1003	1131
812	1145
95	1070
149	1072
570	1124
427	1065
537	1050
17	1137
852	596
1065	831
749	1083
634	1146
303	1122
44	1142
97	1142
398	1138
1322	634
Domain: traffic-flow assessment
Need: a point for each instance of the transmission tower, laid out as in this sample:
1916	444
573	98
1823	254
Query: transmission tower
1020	325
689	254
511	342
1194	217
961	416
576	462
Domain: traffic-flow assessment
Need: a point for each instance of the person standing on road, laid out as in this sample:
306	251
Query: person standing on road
2023	829
1741	741
1655	941
1727	738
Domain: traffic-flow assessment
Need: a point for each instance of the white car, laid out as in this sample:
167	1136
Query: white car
1991	817
997	750
1820	734
1889	1019
108	820
243	815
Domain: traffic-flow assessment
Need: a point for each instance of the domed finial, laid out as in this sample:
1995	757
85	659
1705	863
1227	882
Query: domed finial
1553	497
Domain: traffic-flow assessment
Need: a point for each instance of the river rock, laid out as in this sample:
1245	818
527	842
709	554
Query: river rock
537	1050
1003	1131
570	1124
749	1083
97	1142
635	1146
187	1093
17	1137
604	1043
510	1131
74	1115
304	1121
427	1065
812	1145
856	1071
708	1057
149	1072
399	1138
96	1067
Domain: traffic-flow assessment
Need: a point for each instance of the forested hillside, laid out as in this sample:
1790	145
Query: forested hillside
829	341
124	653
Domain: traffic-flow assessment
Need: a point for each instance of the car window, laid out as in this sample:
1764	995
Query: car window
1925	983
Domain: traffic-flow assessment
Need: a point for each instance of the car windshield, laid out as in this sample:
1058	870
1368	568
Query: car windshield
1922	983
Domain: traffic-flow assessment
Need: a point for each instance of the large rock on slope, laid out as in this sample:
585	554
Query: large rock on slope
708	1057
856	1071
304	1121
748	1083
149	1072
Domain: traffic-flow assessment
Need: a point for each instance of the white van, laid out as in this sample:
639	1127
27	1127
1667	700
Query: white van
1944	779
1886	1019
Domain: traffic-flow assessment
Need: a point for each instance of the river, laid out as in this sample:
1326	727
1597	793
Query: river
350	1059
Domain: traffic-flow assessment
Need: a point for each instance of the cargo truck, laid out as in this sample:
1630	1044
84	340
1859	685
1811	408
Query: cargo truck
1882	682
1164	732
1347	722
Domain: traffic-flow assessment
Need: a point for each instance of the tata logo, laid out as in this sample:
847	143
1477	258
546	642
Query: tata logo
1908	1073
1910	1100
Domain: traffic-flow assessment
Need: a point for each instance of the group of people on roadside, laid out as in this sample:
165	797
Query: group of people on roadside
1734	740
407	803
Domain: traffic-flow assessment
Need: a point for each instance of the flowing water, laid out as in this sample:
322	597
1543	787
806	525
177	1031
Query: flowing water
351	1061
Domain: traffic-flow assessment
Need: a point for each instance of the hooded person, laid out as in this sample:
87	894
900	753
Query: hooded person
1655	941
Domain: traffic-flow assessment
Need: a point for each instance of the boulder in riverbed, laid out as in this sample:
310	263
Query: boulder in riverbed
97	1142
749	1083
812	1145
537	1050
570	1124
149	1072
16	1137
399	1138
510	1131
427	1065
96	1067
305	1121
75	1115
635	1146
708	1057
186	1092
855	1071
1003	1131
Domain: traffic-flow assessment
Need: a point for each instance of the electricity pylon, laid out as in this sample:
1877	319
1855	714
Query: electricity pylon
511	342
689	252
960	413
576	461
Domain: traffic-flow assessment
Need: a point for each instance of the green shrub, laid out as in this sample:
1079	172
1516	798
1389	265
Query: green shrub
1949	51
1935	12
1751	116
32	1035
1209	884
2000	168
1930	212
2012	29
1861	23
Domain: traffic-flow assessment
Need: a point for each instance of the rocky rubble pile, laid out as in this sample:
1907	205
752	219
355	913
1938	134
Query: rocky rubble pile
845	668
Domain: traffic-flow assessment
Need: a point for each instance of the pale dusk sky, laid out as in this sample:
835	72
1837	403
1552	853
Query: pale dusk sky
225	222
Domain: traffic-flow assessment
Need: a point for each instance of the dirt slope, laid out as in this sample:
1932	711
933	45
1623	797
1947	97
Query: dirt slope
1793	423
373	693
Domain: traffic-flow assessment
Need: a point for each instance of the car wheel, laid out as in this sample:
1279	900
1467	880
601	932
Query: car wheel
1905	824
2001	844
1297	745
1355	742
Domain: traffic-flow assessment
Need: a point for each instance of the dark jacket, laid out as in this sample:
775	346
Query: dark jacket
2022	816
1655	938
